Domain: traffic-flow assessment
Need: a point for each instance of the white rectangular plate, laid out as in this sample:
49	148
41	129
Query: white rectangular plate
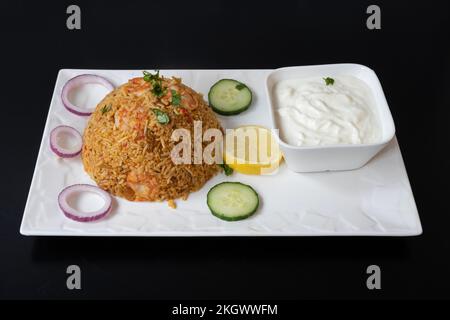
375	200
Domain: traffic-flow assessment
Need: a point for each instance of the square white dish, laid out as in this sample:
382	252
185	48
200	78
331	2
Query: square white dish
332	157
374	200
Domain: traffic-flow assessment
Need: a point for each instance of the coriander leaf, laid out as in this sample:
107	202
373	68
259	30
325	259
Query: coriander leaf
149	77
226	169
328	81
106	108
158	89
176	98
156	81
240	86
161	116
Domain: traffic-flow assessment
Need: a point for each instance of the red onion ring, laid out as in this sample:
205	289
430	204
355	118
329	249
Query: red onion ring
61	151
79	216
76	82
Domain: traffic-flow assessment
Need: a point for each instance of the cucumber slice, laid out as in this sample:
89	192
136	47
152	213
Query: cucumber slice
232	201
228	97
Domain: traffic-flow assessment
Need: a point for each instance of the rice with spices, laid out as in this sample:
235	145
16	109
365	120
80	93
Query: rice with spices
127	144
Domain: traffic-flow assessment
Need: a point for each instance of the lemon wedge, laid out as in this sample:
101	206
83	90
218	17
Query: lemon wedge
252	150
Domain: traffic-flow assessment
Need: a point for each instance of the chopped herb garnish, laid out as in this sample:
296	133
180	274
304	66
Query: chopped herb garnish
226	169
161	116
156	81
149	77
240	86
328	81
176	98
158	89
106	108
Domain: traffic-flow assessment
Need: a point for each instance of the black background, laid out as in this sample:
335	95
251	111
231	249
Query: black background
410	55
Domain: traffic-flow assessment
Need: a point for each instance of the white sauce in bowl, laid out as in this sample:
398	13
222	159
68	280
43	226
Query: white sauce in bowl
309	112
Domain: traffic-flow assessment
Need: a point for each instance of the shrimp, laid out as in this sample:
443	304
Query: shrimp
137	86
132	120
144	185
188	101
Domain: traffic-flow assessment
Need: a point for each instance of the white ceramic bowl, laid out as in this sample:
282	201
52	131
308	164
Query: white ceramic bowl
332	157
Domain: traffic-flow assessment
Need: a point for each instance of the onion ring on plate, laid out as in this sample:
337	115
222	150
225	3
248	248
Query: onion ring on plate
76	82
80	216
58	148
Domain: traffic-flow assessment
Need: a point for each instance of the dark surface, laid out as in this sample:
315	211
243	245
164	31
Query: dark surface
410	55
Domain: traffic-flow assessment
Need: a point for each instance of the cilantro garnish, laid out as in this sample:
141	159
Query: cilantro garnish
240	86
161	116
226	169
176	98
328	81
106	108
156	81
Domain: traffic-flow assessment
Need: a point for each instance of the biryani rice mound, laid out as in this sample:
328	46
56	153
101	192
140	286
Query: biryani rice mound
127	150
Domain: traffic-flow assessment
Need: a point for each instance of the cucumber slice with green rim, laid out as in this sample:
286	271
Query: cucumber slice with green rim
229	97
232	201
